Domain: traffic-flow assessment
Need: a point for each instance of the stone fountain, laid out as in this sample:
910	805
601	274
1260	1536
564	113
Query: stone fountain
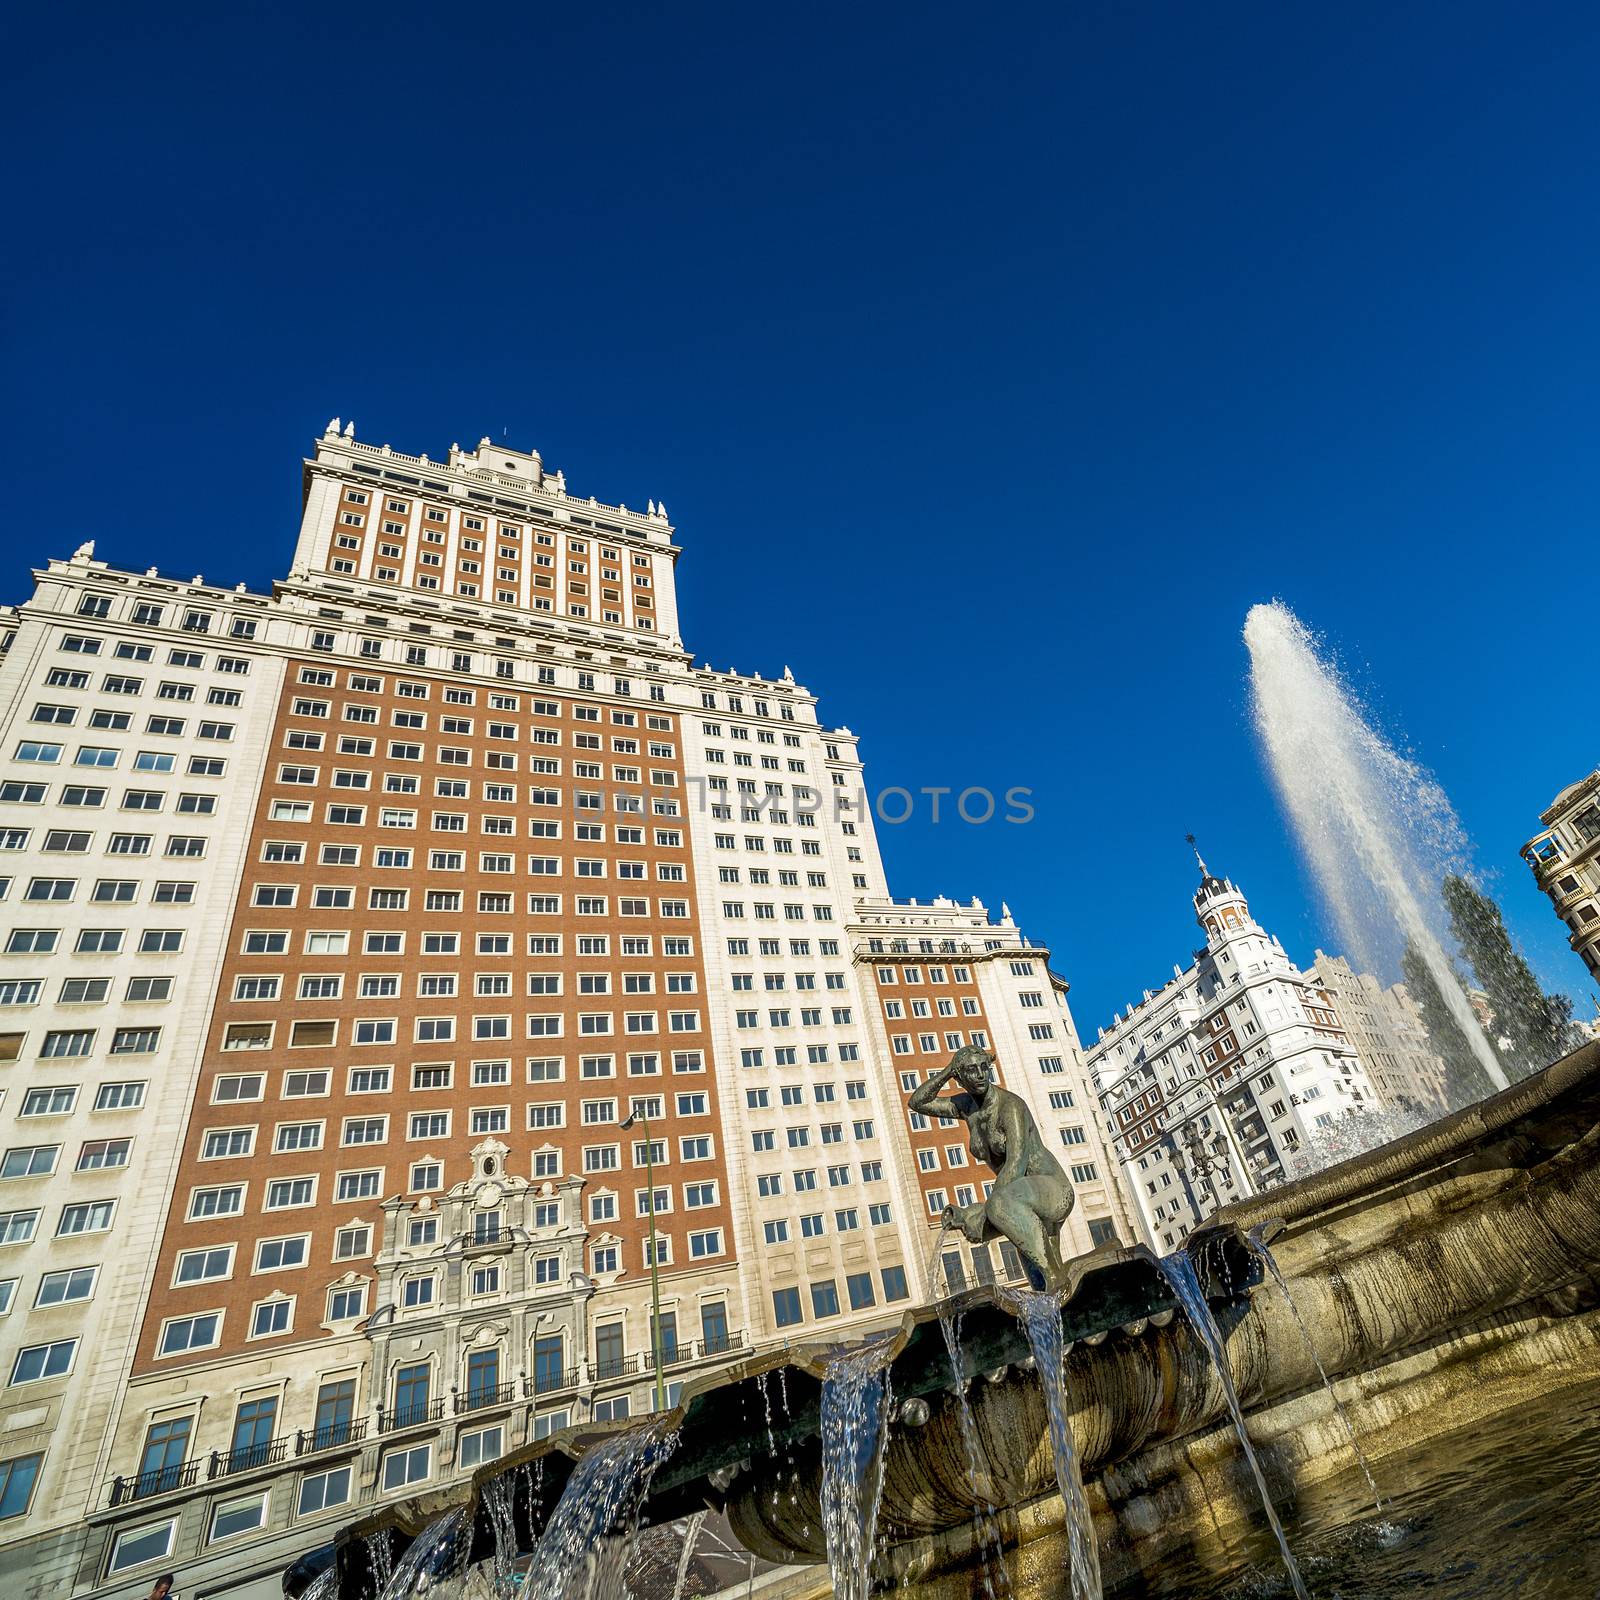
1440	1280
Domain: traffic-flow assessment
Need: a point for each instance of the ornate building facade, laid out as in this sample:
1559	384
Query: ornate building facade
1208	1086
1565	859
398	967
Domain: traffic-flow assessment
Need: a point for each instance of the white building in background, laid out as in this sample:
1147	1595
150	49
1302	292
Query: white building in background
1387	1030
1566	864
1208	1085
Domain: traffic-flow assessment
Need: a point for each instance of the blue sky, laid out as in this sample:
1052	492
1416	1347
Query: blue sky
991	365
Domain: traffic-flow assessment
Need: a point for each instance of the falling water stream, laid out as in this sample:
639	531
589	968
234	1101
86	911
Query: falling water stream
995	1580
433	1551
855	1406
584	1551
1040	1315
380	1558
1179	1271
1375	828
498	1496
1259	1246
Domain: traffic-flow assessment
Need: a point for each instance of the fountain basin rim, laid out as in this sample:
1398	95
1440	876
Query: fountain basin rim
1133	1265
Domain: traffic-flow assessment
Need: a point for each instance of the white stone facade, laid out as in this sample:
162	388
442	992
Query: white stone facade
1388	1033
1565	859
124	821
1210	1084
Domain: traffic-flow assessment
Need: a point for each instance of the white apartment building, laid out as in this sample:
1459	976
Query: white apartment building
1209	1084
1386	1029
1565	859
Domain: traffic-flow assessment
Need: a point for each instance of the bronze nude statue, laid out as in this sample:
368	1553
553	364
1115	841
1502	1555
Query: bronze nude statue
1031	1195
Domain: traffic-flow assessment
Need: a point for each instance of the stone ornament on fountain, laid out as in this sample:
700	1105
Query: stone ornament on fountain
1031	1196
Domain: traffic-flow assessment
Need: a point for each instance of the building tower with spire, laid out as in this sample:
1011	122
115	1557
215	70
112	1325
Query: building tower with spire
1211	1084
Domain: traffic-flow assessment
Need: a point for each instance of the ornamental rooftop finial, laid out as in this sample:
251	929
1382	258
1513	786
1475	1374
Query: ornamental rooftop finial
1205	872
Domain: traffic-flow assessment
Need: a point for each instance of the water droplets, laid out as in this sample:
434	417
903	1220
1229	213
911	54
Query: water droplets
1375	828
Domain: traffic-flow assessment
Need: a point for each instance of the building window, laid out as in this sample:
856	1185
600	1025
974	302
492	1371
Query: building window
17	1478
35	1363
322	1491
135	1547
272	1317
233	1517
485	1444
825	1299
402	1468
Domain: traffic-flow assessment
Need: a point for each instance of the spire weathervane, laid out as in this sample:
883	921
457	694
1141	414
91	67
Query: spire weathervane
1204	870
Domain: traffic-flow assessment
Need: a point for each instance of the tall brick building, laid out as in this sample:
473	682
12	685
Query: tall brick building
346	926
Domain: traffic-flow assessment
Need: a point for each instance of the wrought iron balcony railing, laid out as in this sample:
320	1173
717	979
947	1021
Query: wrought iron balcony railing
477	1399
411	1416
549	1383
268	1453
330	1435
160	1480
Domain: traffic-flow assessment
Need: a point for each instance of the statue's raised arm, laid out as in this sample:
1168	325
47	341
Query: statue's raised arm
927	1099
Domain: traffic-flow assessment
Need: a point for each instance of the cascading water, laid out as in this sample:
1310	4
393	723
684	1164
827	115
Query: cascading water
983	1510
1269	1261
583	1553
691	1536
498	1496
1040	1315
435	1551
1375	828
1179	1271
325	1586
855	1406
380	1559
788	1443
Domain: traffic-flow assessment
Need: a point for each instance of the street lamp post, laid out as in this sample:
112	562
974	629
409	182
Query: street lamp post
1206	1163
533	1413
638	1114
1230	1135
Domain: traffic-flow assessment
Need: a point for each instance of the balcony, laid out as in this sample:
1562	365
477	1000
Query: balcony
413	1416
224	1463
478	1399
706	1349
330	1436
552	1383
161	1481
